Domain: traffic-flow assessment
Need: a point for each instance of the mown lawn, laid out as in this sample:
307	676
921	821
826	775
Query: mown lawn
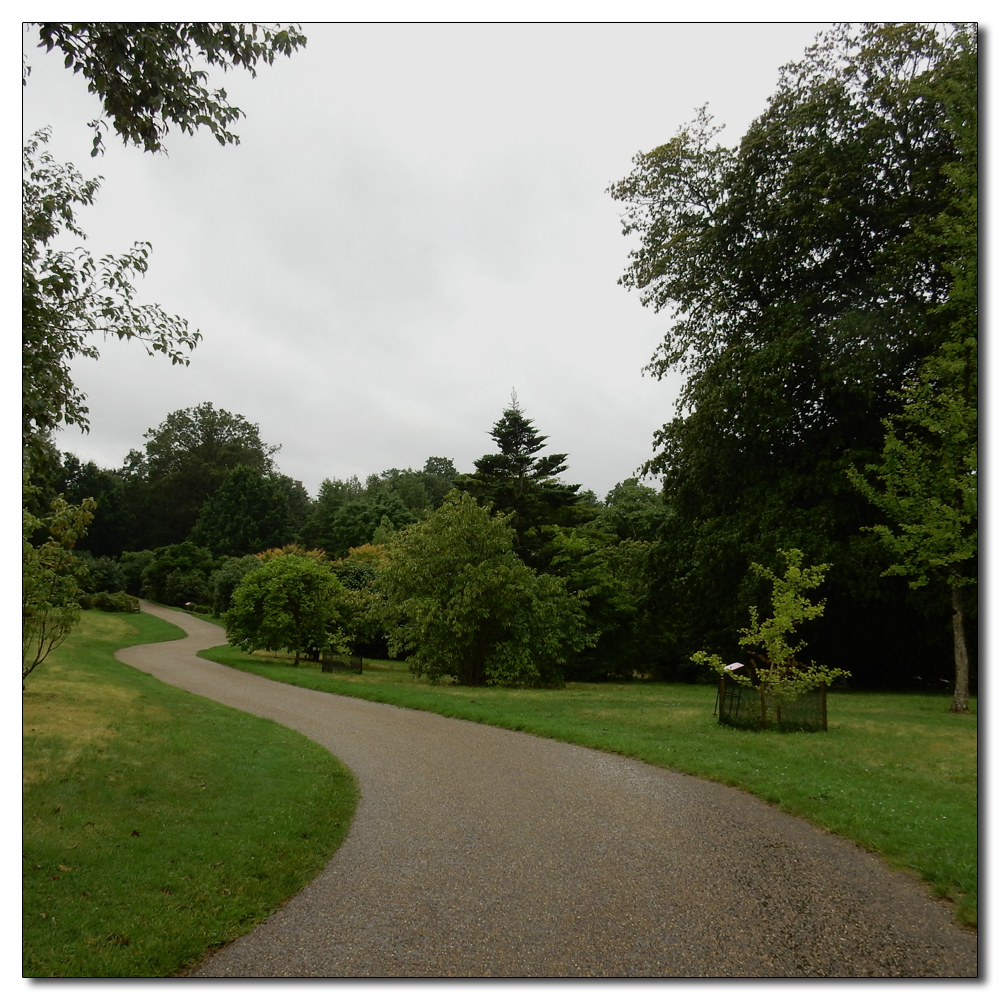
896	773
157	824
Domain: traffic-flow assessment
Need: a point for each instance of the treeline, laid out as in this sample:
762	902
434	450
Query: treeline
203	504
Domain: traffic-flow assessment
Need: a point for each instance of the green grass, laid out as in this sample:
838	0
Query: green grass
158	825
896	773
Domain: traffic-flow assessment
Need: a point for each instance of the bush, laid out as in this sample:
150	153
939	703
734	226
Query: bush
227	578
99	574
118	602
178	574
133	566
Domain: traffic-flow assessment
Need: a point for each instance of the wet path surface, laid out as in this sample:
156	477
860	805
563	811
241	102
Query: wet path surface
476	851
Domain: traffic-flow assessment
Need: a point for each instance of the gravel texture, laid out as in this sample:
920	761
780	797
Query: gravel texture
476	851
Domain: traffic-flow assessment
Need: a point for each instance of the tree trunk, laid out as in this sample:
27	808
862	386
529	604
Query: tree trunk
960	702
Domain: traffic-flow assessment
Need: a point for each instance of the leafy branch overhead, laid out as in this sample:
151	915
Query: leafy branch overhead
68	296
146	77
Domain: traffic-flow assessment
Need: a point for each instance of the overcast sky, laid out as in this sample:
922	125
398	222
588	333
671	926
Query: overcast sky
415	222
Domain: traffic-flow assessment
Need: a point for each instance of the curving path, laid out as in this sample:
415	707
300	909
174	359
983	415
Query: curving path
481	852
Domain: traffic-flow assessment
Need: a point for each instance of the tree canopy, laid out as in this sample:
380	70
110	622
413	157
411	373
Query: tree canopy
462	604
185	460
807	278
246	514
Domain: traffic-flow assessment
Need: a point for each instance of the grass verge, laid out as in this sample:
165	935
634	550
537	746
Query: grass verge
158	825
896	773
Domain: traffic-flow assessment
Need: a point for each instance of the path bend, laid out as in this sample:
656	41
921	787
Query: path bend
477	851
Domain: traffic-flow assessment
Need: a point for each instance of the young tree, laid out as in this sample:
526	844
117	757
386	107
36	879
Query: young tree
145	75
778	672
463	605
290	602
49	587
521	483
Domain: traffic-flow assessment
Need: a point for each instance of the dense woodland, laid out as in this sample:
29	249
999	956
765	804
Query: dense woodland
822	281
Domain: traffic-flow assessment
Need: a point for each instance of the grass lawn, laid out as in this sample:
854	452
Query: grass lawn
896	773
158	824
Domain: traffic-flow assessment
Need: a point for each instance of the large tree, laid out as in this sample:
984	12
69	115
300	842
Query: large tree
806	281
522	483
68	298
149	76
185	460
463	605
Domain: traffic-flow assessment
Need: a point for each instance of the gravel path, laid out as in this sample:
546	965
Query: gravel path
481	852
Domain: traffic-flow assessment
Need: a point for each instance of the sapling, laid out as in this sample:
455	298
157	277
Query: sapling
779	673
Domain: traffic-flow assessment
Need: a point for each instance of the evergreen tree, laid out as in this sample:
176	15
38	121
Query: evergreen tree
521	483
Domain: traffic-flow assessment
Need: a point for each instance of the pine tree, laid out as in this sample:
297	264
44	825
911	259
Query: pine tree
521	483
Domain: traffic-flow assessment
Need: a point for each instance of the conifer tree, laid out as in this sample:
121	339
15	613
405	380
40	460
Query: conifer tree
520	482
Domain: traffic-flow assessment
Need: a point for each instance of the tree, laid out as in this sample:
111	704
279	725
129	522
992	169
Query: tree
778	672
806	276
609	577
439	475
246	514
928	485
333	494
632	511
67	297
49	587
145	76
357	522
287	603
463	605
111	531
144	73
187	458
521	483
928	472
179	574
